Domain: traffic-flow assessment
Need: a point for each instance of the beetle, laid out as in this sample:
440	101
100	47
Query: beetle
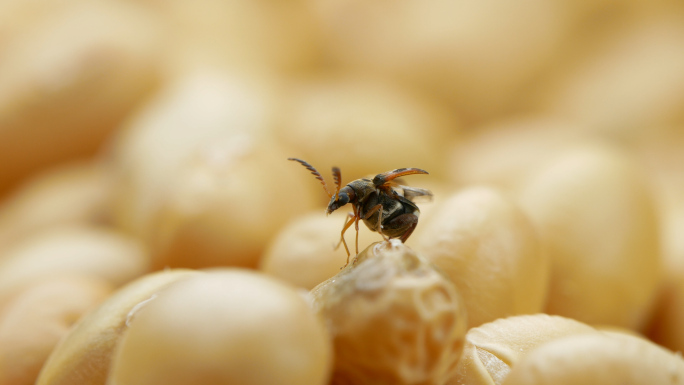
384	205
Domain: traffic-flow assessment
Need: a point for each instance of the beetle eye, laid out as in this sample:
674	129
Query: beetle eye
342	199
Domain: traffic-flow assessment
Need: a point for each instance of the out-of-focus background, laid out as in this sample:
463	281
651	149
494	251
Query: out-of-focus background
337	77
159	130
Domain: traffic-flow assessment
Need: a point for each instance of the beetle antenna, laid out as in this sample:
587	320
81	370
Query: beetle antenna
315	173
337	176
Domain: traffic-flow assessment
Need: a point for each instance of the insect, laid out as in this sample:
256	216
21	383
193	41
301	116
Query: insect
384	205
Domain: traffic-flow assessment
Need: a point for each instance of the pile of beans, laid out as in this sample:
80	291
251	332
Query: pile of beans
152	230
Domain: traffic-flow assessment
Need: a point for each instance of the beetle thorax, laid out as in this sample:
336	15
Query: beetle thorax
362	188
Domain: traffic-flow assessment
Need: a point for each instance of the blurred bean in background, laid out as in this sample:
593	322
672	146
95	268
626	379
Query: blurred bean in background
139	136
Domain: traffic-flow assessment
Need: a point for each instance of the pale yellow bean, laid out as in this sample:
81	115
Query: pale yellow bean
70	194
84	355
477	55
492	349
304	253
488	247
35	320
598	359
365	127
393	317
215	194
597	217
229	326
68	81
78	250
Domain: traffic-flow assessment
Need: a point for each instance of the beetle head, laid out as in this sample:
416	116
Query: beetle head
337	201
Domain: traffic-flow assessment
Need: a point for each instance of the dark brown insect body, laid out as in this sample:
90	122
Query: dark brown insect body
384	206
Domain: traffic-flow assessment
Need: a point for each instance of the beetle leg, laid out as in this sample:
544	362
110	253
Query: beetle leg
370	212
409	231
404	224
347	222
356	225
